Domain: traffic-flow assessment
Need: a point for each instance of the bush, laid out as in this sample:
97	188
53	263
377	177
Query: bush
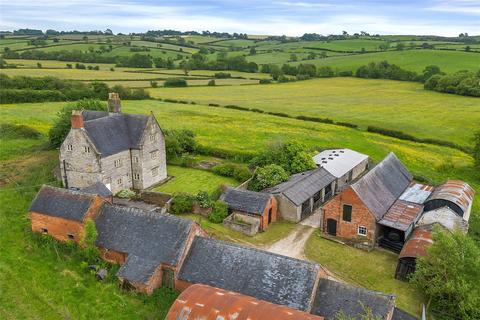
18	131
203	199
211	83
214	105
325	72
348	73
267	176
29	95
461	83
88	241
154	84
175	82
181	203
347	124
232	106
222	75
385	70
237	171
265	81
219	212
315	119
125	194
178	142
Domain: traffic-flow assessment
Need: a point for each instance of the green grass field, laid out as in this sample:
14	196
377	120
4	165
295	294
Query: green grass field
193	180
395	105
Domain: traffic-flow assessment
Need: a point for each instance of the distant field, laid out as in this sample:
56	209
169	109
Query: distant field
414	60
76	74
404	106
54	64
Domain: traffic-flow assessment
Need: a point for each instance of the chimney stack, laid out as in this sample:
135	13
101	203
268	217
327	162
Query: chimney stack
77	119
114	103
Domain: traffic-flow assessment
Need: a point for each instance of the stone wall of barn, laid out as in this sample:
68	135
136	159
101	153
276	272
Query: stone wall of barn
153	142
56	227
287	209
79	164
361	216
117	177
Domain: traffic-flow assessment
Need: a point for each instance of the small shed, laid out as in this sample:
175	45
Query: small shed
344	164
209	303
245	206
416	246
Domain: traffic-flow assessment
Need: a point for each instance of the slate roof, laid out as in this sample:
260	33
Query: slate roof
97	188
399	314
260	274
247	201
116	132
332	297
136	269
62	203
339	161
382	186
156	237
91	114
302	186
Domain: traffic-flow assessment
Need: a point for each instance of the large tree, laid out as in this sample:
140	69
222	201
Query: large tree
449	275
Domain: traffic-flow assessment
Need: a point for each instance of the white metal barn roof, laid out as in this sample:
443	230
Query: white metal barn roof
339	161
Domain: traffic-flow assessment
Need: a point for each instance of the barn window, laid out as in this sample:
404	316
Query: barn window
155	171
69	147
86	149
71	236
136	176
362	231
117	163
347	212
44	230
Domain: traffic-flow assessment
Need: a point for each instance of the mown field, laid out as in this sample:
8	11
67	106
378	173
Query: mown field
50	277
397	105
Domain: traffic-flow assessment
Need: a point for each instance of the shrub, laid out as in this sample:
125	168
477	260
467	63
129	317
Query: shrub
181	203
232	106
211	83
241	173
267	176
222	75
325	72
203	199
18	131
237	171
154	84
175	82
219	212
171	100
125	194
278	114
347	124
29	95
224	169
348	73
315	119
385	70
88	242
178	142
214	105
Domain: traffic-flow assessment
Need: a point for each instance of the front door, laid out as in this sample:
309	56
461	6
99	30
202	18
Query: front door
269	215
167	278
332	227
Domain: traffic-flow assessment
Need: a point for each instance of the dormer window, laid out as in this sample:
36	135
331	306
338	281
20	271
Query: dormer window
86	149
69	147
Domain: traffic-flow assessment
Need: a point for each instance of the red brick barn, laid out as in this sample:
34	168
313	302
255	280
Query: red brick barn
62	213
353	214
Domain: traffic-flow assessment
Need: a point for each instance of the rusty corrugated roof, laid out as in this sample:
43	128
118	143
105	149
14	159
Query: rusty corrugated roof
208	303
418	243
401	215
456	191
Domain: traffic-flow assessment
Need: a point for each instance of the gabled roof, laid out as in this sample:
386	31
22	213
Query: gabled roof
98	188
380	187
151	236
91	114
247	201
302	186
209	303
116	132
136	269
456	191
339	161
260	274
62	203
333	297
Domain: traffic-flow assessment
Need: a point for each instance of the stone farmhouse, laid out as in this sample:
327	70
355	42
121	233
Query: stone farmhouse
122	151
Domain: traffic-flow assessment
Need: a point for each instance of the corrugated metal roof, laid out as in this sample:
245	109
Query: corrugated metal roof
417	193
247	201
418	243
445	217
401	215
209	303
456	191
339	161
302	186
380	187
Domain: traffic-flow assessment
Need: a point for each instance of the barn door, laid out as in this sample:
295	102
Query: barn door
332	227
167	278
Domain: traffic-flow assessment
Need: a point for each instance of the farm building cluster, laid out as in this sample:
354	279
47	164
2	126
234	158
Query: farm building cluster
355	202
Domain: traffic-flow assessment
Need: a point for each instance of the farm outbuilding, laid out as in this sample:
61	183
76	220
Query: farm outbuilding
303	193
455	194
252	272
248	207
209	303
344	164
416	246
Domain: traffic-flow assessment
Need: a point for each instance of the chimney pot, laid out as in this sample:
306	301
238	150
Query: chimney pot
114	103
77	119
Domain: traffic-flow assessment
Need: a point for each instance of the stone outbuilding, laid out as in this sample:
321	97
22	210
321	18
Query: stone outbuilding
252	272
353	214
149	246
209	303
303	193
62	213
122	151
344	164
250	208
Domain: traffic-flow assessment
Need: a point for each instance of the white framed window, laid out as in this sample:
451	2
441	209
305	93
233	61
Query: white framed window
136	176
86	149
117	163
119	181
154	154
155	171
153	136
69	147
362	231
135	159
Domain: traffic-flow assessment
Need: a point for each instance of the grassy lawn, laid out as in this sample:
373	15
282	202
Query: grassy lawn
275	231
193	180
397	105
373	270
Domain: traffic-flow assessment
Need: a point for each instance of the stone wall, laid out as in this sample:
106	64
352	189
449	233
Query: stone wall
250	225
287	209
120	177
147	162
157	198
